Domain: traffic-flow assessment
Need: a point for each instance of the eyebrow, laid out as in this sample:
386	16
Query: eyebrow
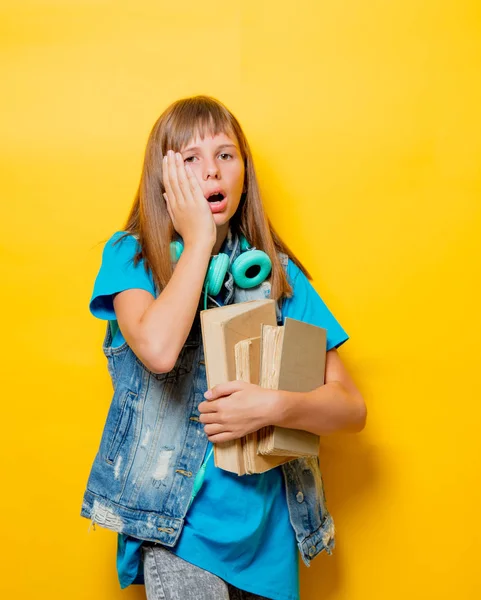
218	147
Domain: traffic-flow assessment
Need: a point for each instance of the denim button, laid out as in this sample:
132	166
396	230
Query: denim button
312	551
300	497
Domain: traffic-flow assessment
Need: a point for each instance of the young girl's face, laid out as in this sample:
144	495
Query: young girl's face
218	165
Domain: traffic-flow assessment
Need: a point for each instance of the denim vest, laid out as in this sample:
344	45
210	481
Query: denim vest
153	444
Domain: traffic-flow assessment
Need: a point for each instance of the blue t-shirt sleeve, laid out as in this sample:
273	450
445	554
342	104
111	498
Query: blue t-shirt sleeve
118	273
306	305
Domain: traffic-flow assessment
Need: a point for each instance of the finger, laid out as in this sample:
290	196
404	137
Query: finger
208	407
183	180
209	417
174	182
219	438
194	182
225	389
214	429
166	166
166	179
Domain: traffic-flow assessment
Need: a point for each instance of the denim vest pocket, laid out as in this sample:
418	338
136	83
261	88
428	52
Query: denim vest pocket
122	425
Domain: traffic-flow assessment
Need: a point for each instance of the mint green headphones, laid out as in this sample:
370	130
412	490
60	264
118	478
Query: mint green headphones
249	269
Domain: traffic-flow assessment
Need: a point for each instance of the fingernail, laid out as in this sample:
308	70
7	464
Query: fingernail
208	395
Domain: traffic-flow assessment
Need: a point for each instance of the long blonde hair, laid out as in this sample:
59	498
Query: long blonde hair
149	219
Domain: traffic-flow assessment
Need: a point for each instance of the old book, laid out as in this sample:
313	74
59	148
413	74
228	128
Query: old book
222	328
293	358
247	357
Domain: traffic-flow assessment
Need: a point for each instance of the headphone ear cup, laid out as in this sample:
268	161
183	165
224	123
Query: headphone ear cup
176	249
216	273
251	268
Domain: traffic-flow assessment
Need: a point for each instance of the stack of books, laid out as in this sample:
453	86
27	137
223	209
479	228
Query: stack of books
243	341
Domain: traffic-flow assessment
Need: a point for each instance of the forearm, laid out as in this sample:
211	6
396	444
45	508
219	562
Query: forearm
169	318
328	409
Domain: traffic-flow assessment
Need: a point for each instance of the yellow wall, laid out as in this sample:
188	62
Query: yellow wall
364	118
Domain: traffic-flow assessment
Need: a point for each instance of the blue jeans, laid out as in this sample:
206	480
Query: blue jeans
168	577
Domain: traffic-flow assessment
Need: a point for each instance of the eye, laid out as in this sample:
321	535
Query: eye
223	154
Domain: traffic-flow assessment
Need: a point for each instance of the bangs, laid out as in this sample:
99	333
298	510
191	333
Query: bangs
198	116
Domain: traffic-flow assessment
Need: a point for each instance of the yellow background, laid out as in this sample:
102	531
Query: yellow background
364	118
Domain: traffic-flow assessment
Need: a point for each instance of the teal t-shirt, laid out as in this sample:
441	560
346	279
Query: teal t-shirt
237	527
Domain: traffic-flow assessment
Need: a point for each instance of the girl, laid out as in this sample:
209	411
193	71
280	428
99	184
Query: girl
241	536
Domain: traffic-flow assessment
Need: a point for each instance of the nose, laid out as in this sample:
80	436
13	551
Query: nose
211	170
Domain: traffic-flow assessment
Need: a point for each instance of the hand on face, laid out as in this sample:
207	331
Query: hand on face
218	166
186	204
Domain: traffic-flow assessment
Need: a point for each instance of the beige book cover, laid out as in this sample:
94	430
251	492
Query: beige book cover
293	358
222	328
247	356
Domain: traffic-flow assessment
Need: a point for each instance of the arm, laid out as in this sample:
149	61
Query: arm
335	406
156	329
236	408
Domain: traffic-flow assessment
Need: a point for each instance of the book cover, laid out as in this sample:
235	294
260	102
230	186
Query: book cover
293	358
222	328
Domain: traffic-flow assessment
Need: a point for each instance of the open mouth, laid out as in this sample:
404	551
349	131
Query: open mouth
216	197
217	200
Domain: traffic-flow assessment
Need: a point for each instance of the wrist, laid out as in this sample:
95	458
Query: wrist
282	406
199	247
